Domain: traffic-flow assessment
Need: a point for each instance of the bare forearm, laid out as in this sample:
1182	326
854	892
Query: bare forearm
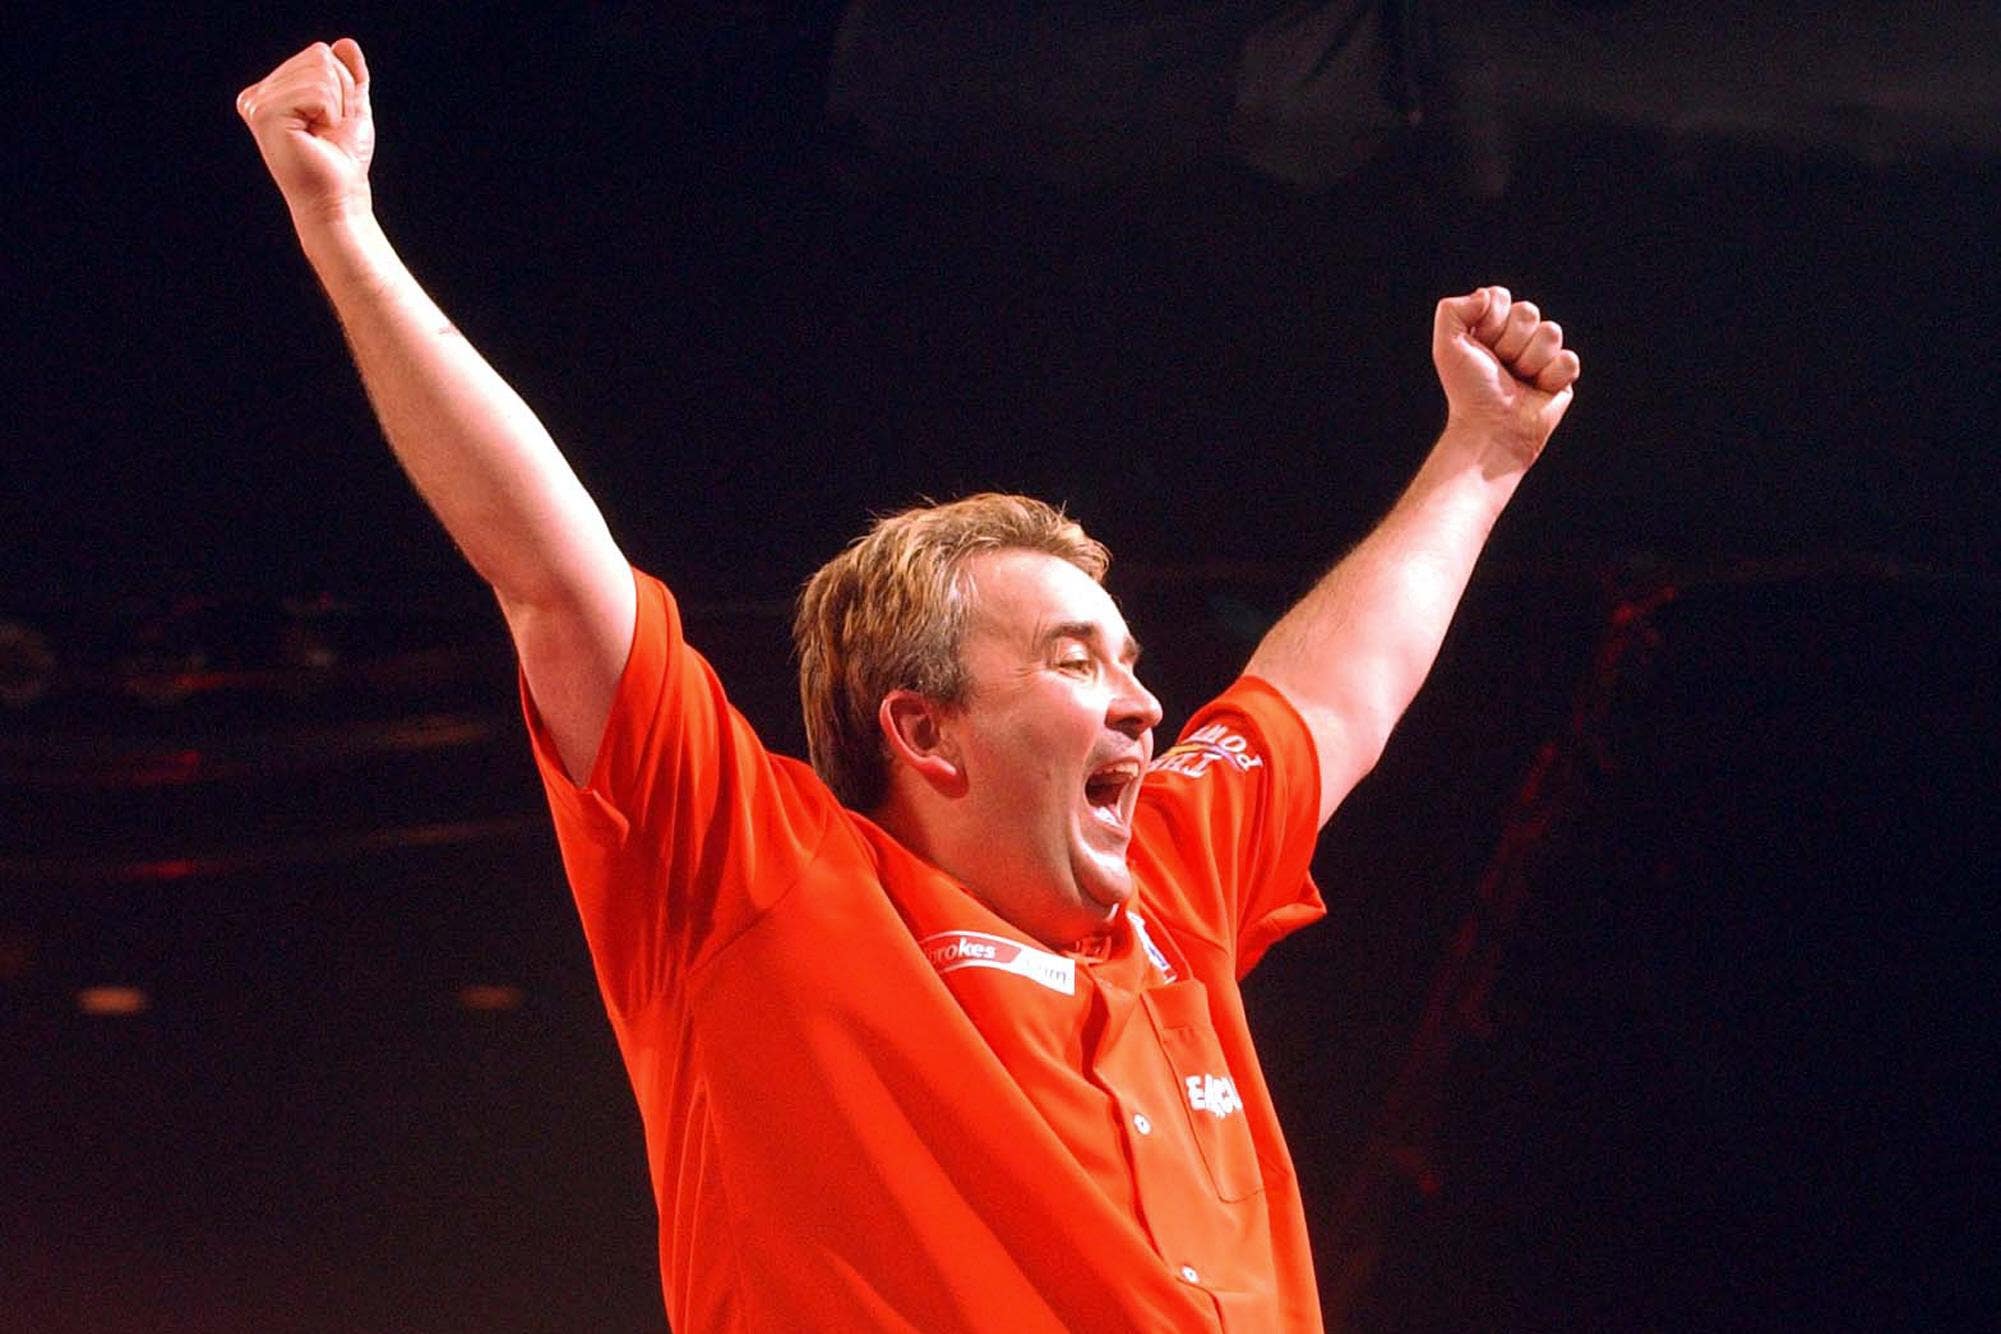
1353	653
490	472
477	454
1355	650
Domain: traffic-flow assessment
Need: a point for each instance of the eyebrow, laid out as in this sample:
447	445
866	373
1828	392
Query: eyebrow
1090	633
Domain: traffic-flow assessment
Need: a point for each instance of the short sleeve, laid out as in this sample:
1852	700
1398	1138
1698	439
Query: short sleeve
1227	823
688	829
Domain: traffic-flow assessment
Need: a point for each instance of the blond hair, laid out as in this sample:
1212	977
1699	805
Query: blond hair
889	613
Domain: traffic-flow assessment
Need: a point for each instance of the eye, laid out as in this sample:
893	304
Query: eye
1075	662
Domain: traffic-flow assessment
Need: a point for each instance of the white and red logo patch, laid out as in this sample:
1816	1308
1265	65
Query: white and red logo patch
949	951
1206	747
1214	1094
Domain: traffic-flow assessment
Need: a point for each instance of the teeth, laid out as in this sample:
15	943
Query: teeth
1106	787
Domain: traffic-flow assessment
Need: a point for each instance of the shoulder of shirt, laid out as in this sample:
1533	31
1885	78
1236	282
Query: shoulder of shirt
1248	722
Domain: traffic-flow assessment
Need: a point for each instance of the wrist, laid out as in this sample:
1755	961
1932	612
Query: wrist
332	223
342	244
1495	449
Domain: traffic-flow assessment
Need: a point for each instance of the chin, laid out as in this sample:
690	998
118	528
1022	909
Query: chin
1102	890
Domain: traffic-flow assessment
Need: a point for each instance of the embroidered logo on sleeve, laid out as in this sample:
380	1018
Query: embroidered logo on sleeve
1206	747
949	951
1214	1094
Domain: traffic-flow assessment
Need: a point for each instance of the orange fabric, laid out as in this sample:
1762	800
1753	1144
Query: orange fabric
870	1104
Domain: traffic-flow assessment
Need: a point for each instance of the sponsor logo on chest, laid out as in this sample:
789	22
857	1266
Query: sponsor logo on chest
949	951
1214	1094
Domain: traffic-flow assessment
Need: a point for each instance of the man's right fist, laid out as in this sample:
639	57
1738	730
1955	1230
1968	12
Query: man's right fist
311	120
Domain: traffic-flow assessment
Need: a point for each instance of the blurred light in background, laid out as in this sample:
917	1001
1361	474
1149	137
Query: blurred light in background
113	1001
490	997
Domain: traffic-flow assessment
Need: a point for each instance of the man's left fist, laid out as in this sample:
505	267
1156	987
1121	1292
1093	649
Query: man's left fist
1505	370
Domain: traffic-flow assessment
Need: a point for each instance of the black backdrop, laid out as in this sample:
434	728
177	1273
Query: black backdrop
1729	1072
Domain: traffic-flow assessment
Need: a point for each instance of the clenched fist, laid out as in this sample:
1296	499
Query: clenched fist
1504	367
312	123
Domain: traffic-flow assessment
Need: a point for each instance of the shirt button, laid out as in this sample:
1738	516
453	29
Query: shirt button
1188	1274
1141	1124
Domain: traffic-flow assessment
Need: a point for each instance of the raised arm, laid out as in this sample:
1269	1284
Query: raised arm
1352	654
476	453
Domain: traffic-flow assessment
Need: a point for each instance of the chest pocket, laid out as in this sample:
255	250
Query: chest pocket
1207	1090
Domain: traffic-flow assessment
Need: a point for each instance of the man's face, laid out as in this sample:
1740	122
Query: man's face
1053	736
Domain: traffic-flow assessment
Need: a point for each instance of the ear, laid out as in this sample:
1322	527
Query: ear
913	728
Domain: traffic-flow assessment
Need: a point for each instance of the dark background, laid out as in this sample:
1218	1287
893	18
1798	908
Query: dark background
1657	988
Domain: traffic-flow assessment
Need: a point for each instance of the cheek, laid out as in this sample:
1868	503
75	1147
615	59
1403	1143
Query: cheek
1030	768
1012	758
1037	749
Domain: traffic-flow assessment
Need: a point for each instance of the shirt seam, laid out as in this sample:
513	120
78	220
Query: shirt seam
693	975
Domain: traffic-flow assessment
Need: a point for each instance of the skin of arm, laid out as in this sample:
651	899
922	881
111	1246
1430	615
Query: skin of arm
1352	653
475	452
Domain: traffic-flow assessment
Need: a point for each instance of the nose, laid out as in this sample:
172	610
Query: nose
1134	711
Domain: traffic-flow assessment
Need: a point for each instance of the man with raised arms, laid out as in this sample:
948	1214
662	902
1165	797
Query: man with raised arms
943	1032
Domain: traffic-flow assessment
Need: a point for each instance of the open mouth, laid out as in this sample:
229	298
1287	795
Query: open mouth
1105	790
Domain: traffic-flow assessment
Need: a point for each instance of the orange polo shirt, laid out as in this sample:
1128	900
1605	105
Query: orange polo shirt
871	1104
